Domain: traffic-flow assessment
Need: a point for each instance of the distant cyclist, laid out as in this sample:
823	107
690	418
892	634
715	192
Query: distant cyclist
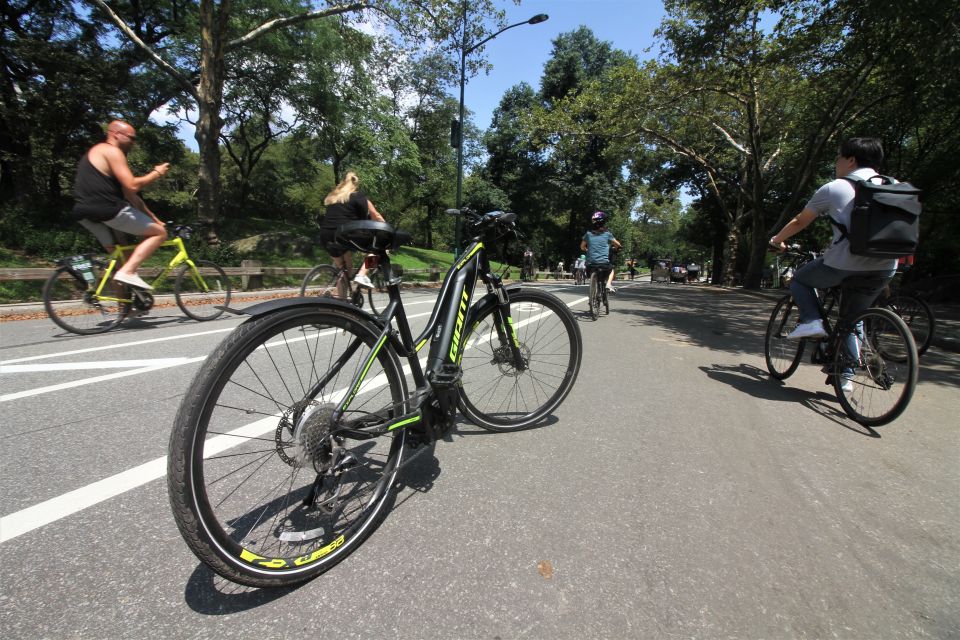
346	204
597	243
106	197
580	269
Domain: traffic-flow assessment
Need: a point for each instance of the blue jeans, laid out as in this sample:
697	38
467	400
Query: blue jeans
860	289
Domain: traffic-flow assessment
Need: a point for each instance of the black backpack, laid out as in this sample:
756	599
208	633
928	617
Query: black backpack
885	221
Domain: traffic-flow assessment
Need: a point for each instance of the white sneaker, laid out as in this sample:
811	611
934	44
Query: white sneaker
133	281
812	329
847	385
363	281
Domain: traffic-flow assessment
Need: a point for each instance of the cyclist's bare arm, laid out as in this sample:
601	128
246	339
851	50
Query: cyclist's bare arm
792	228
616	243
373	213
105	156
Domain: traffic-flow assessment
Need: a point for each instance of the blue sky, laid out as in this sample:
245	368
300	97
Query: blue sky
518	55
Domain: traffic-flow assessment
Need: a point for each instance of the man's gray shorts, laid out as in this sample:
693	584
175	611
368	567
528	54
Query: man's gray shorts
129	220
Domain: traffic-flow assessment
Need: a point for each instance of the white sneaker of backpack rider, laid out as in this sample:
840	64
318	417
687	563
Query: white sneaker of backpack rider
363	281
133	281
847	385
812	329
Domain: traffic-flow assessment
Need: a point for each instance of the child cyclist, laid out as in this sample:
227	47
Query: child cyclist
596	243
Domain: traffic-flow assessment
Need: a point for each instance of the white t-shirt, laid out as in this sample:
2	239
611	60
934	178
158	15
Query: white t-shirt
835	200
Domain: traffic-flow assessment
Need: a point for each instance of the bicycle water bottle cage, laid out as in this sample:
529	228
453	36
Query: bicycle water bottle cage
370	236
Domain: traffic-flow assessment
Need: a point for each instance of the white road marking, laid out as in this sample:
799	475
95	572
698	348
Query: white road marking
97	364
44	513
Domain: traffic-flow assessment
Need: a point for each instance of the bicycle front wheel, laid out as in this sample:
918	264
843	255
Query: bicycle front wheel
918	317
496	395
264	488
74	305
321	281
202	291
783	356
875	368
593	299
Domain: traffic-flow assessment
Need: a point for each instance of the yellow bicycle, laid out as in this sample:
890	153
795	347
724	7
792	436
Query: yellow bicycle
81	297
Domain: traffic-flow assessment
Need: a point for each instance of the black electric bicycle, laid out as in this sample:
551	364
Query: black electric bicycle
283	456
870	359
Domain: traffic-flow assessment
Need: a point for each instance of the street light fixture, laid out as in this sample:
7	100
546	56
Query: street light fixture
464	52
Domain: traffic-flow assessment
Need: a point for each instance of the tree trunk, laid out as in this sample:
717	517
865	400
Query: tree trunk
213	21
758	248
730	247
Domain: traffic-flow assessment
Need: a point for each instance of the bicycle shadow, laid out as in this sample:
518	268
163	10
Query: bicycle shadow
758	383
210	594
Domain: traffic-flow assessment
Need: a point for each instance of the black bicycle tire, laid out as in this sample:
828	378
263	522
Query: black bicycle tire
185	272
198	525
775	324
59	319
895	303
313	274
911	368
592	297
606	300
378	287
528	339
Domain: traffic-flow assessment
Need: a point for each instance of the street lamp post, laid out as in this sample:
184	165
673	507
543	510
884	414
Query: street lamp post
464	52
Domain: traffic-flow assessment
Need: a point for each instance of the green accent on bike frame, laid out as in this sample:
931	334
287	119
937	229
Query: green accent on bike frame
363	374
467	257
404	423
513	332
420	346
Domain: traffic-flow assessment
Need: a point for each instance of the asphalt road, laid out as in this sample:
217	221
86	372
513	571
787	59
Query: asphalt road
679	492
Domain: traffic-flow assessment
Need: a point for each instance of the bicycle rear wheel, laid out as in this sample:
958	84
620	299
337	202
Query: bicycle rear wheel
321	281
783	356
264	490
74	306
494	394
879	371
201	290
593	301
918	317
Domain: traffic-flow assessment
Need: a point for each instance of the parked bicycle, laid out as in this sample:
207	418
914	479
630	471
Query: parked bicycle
328	281
870	359
283	457
598	292
81	297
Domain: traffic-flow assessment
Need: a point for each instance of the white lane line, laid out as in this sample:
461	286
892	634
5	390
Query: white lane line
98	364
171	362
121	345
79	383
44	513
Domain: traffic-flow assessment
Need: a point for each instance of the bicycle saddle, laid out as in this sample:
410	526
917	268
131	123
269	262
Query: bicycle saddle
371	236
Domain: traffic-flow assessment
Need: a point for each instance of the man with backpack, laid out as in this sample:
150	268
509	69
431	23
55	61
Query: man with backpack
854	252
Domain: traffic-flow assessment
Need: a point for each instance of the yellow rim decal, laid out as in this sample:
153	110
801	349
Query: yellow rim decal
281	563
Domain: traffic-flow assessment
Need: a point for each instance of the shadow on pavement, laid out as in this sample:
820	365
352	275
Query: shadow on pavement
758	383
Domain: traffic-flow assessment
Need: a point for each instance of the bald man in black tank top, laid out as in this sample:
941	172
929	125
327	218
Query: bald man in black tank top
106	196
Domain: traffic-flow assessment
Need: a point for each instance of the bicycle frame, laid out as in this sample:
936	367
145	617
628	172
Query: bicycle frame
118	255
445	332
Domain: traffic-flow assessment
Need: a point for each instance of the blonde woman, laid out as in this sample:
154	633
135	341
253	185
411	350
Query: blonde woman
346	204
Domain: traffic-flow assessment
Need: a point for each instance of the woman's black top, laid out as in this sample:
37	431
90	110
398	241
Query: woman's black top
96	196
353	209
